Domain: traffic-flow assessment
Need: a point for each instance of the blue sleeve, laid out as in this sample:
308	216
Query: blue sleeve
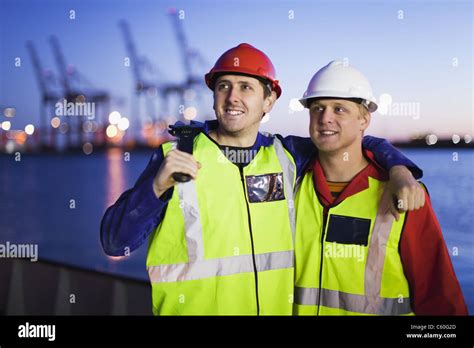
136	214
388	156
302	150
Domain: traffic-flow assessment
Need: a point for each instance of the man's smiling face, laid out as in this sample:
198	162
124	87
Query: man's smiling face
239	103
337	124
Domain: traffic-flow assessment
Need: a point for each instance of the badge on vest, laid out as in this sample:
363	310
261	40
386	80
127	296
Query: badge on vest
265	188
348	230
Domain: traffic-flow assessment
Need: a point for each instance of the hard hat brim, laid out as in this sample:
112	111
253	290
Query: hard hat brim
212	76
371	105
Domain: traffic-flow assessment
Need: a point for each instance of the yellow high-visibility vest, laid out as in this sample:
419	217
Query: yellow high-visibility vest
346	258
225	245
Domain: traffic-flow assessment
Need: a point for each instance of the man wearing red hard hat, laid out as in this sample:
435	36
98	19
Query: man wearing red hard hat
223	242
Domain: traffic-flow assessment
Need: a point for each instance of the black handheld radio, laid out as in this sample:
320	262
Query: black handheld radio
185	135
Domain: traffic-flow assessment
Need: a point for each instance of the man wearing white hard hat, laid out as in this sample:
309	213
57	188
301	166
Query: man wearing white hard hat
352	256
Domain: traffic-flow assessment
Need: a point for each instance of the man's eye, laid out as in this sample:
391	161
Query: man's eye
246	87
317	109
222	86
340	109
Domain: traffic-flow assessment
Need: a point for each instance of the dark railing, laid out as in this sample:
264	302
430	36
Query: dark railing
47	288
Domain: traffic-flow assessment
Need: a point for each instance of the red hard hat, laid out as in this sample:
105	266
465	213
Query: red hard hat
247	60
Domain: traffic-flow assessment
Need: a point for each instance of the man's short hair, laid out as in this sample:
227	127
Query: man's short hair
363	110
267	89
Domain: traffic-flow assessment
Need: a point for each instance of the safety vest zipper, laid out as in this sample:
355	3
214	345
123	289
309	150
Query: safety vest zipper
251	240
325	217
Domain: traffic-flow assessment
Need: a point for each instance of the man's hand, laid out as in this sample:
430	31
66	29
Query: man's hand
175	162
406	193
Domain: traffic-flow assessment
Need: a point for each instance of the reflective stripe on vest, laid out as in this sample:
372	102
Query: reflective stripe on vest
188	202
289	174
220	267
371	302
352	302
199	268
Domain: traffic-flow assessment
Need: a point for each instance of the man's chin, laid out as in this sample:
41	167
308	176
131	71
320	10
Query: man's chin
231	128
326	147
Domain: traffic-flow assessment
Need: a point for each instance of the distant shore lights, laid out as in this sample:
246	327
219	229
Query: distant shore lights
118	125
29	129
6	125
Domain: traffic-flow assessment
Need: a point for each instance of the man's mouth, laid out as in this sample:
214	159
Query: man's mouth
327	133
234	112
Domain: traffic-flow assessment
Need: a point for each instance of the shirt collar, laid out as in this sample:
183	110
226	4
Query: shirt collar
359	183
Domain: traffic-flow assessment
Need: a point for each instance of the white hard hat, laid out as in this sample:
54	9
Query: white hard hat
339	80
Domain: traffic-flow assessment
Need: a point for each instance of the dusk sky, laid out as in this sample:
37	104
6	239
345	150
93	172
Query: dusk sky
416	53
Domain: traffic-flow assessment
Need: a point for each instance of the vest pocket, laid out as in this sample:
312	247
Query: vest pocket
348	230
265	188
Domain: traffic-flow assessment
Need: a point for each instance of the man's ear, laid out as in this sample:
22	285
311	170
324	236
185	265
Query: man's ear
364	120
214	101
269	102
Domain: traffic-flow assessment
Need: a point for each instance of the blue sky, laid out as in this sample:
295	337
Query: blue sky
418	52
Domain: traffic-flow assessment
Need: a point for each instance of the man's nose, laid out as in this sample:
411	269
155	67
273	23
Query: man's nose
326	116
232	95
